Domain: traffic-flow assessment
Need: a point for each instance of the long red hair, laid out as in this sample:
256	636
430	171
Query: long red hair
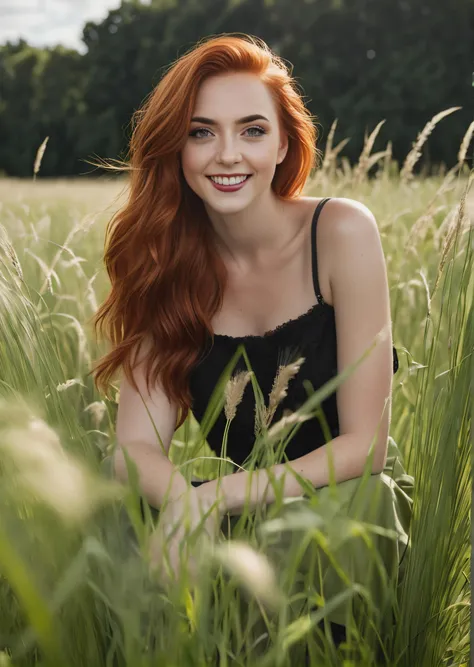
167	278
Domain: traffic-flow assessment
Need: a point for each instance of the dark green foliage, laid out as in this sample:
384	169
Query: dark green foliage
359	61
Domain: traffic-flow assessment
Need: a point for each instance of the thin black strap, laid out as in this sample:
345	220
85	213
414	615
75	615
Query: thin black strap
314	256
315	269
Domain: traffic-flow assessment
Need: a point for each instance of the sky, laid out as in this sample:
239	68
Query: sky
50	22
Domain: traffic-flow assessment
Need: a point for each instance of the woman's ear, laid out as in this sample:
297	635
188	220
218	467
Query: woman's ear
283	149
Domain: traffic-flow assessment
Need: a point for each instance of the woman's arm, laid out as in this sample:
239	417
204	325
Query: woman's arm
360	297
159	477
135	430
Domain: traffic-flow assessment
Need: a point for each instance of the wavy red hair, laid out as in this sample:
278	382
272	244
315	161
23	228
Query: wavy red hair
167	279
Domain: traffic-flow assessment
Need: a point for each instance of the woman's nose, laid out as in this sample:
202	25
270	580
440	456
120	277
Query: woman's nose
227	151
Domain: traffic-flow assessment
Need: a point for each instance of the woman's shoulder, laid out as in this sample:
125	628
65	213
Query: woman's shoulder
347	230
341	208
341	219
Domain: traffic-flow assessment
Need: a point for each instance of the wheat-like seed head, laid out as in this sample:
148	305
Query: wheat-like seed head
388	158
328	166
97	409
461	154
287	420
264	415
414	155
365	162
90	293
420	225
465	144
234	391
451	233
260	418
10	252
280	386
427	290
328	154
253	569
427	218
39	157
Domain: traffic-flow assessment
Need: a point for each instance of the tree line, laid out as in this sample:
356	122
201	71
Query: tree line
359	61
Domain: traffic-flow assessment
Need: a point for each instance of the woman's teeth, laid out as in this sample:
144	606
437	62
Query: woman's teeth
228	181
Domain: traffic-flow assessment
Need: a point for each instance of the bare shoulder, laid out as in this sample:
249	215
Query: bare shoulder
340	215
353	245
346	216
347	225
347	231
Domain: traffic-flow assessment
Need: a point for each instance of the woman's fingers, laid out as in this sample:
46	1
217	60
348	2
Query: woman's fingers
176	547
173	556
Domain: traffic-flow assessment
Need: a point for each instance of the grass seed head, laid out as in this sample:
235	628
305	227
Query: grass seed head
252	569
234	391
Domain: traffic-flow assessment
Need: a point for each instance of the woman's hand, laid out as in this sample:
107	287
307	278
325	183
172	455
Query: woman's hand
213	505
184	524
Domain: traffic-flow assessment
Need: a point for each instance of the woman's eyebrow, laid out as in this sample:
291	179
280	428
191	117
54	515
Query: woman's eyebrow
240	121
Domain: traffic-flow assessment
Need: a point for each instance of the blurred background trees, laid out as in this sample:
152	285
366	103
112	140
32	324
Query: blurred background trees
359	61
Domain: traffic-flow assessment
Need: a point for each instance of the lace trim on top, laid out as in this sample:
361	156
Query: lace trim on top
285	326
280	327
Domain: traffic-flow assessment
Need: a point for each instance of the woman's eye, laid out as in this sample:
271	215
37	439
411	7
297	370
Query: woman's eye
195	133
256	127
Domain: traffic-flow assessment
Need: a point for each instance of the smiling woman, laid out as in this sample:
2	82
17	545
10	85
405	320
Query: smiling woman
216	248
246	148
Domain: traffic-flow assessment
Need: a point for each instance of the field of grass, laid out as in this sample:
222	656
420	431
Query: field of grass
75	588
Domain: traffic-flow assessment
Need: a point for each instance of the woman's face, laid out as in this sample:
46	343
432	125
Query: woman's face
227	146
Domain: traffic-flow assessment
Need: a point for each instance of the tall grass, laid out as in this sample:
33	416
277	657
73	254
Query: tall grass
75	587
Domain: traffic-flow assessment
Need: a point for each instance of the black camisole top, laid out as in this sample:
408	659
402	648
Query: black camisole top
312	335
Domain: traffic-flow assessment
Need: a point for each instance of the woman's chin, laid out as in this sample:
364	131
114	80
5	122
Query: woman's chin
228	207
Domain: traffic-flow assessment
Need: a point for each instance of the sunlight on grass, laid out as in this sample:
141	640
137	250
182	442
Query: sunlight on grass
76	588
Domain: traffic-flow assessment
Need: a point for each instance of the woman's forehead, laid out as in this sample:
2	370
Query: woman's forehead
234	96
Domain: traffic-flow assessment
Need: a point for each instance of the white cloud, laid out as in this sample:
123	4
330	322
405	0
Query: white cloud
50	22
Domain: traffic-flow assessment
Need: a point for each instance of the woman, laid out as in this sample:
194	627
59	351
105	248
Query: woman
217	247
